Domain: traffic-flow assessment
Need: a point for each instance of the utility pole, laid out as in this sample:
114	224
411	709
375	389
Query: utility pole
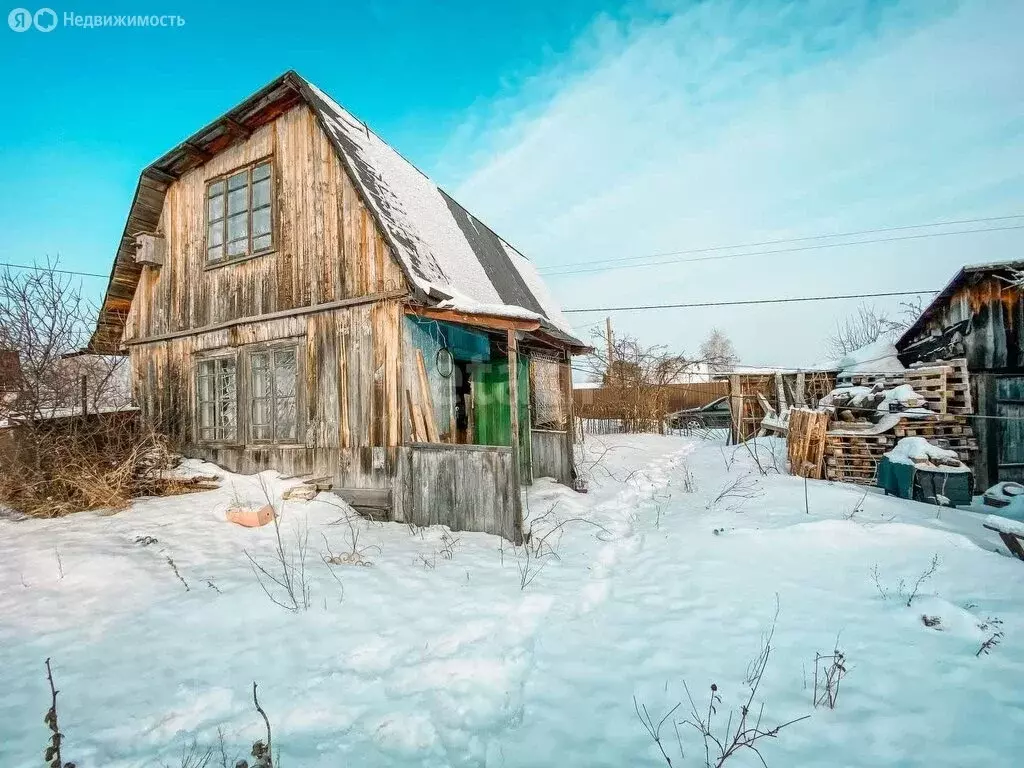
611	345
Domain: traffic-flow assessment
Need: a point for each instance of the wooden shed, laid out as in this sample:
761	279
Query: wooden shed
979	316
294	294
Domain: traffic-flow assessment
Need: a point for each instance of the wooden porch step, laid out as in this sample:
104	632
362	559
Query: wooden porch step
375	503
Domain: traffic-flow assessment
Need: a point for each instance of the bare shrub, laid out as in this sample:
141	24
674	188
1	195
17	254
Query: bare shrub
174	567
284	578
52	755
743	729
355	555
995	627
829	671
194	756
736	493
654	729
906	595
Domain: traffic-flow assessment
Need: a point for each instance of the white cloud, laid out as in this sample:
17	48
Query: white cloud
729	123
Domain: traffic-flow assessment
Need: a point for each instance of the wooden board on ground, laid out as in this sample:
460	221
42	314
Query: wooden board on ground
805	443
1011	540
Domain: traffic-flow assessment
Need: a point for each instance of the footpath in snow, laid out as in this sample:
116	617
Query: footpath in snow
457	649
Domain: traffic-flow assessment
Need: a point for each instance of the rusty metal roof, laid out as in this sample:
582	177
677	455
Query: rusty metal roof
965	274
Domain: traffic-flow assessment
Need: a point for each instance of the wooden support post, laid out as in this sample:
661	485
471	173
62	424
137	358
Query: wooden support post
736	408
570	417
84	383
513	398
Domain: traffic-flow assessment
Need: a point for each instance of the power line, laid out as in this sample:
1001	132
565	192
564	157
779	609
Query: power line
782	250
48	269
749	301
854	233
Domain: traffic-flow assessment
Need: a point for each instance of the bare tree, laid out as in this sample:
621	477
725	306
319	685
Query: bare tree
868	324
45	321
637	374
718	352
57	462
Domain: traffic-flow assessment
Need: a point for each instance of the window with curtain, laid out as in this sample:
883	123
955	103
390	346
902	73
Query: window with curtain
273	395
238	214
217	400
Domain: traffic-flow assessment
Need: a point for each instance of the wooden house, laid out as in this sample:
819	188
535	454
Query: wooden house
979	316
295	295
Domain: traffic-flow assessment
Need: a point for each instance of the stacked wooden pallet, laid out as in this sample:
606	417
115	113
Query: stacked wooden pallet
948	431
854	458
957	384
944	385
851	458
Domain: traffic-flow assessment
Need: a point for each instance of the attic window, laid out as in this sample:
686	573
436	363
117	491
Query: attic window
238	214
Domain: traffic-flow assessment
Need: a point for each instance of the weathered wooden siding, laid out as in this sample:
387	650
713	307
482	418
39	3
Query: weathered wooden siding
550	451
350	376
327	246
982	321
466	487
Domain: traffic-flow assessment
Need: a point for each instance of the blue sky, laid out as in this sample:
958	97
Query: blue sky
580	131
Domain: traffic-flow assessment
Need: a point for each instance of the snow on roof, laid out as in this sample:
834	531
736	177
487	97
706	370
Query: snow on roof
877	357
447	252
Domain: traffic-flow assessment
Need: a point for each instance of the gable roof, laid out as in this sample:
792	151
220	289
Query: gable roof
449	257
963	276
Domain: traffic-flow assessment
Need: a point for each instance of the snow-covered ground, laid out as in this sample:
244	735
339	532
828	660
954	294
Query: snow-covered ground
435	654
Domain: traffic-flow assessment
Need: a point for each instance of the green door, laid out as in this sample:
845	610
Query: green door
1010	428
491	417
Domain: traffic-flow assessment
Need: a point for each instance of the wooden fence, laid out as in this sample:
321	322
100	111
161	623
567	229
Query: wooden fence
550	455
620	402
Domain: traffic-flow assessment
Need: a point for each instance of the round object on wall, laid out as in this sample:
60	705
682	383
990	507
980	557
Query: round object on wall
444	362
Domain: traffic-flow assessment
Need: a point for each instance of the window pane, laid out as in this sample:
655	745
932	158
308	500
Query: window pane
261	243
260	376
206	389
216	253
260	414
238	200
206	368
238	248
261	194
226	366
261	171
261	222
206	418
215	234
216	208
216	188
238	227
284	373
261	431
286	418
227	414
239	180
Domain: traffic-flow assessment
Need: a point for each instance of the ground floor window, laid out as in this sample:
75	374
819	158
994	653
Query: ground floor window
217	399
251	395
272	395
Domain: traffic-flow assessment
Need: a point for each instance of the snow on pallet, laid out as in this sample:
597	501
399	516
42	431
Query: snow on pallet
853	458
945	387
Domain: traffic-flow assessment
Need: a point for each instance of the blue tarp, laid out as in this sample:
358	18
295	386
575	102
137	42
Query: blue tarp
463	343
